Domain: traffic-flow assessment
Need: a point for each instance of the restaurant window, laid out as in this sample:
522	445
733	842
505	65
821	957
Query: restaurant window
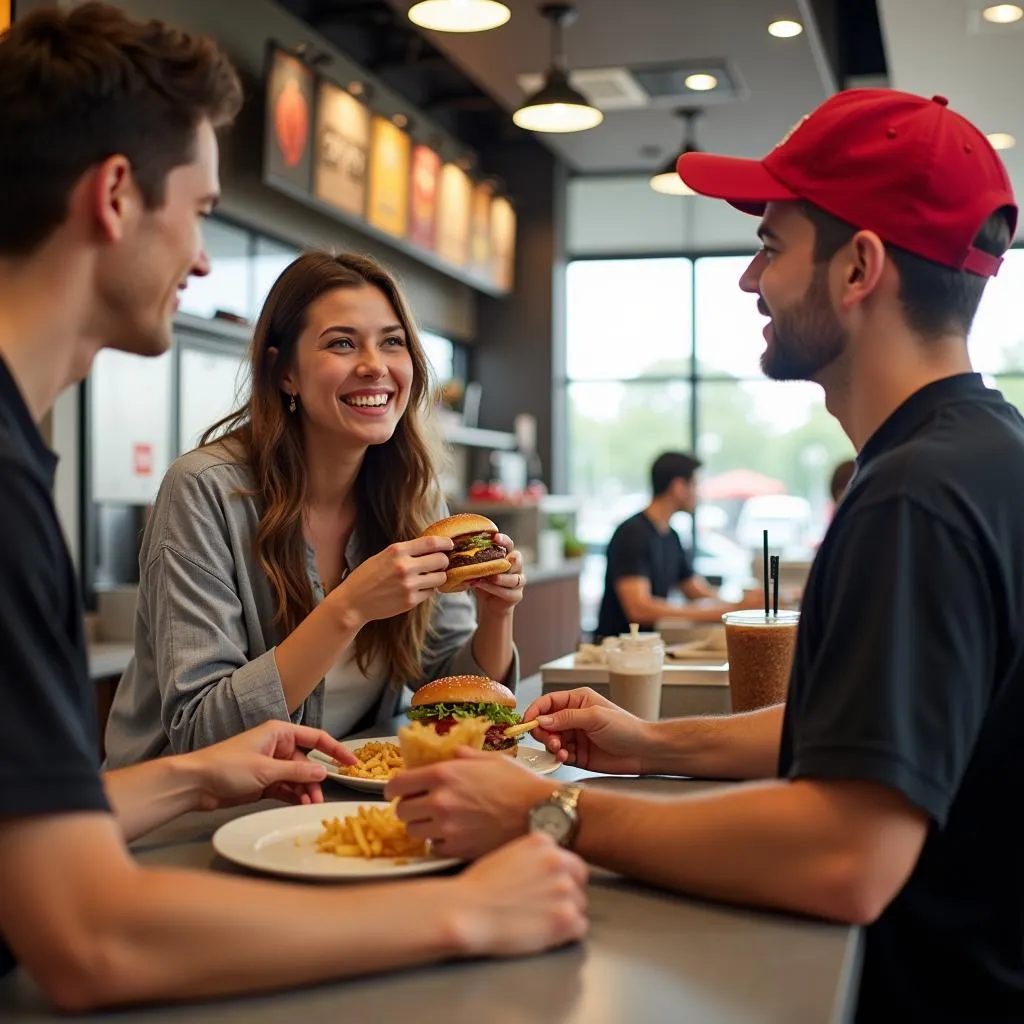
270	258
665	353
227	288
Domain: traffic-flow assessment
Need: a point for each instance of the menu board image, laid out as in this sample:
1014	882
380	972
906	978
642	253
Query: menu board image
501	272
455	195
426	169
342	149
480	230
388	203
287	144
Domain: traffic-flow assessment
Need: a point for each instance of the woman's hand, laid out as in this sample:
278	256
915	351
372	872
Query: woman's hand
396	580
498	595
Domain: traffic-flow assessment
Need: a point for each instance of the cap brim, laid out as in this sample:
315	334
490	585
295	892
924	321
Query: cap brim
745	184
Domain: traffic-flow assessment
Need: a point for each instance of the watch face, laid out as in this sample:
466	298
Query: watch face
552	821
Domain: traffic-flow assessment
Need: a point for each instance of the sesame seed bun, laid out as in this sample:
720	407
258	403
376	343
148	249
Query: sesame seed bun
464	690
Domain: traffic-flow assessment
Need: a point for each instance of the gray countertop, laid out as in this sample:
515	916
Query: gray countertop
651	956
109	658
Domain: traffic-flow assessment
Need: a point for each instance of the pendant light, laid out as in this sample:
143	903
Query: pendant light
557	106
667	180
459	15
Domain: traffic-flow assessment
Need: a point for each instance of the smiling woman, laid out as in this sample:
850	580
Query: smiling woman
283	572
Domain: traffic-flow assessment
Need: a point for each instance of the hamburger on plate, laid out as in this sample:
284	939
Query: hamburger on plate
476	554
444	702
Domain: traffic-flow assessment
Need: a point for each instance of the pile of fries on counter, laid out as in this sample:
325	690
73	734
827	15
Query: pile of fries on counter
375	760
371	832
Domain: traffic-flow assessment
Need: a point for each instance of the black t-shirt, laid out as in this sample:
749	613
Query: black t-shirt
909	671
637	548
49	758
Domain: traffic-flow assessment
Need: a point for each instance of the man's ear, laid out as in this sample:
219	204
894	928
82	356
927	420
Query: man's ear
114	197
863	264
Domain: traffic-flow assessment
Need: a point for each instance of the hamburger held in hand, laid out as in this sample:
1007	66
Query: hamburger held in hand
444	701
476	554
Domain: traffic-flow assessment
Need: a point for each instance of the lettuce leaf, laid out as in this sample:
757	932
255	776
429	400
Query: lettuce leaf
495	712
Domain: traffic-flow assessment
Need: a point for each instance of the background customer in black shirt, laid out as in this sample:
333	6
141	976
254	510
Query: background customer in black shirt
892	778
647	560
108	164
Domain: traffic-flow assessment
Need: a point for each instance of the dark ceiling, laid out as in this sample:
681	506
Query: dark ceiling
378	37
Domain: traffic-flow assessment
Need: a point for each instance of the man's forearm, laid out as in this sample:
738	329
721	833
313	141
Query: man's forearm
742	746
784	845
655	608
145	796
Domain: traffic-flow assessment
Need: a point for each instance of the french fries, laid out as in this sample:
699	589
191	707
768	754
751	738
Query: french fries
380	761
371	832
520	730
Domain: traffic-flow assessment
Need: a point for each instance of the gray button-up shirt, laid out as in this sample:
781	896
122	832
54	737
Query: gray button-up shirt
204	666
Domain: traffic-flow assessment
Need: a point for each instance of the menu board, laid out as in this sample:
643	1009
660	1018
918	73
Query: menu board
480	229
287	141
388	204
342	149
503	244
455	195
426	169
325	146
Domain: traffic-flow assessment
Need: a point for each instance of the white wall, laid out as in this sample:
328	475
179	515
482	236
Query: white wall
623	215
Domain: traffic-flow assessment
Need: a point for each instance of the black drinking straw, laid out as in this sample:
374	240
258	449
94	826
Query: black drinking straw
775	585
766	574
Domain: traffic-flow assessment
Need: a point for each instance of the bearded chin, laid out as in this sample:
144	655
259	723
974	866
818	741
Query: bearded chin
804	341
801	359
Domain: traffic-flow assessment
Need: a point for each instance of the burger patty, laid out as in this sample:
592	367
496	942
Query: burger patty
494	740
480	555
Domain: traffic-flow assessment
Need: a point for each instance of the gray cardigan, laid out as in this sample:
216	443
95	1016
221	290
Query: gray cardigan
204	666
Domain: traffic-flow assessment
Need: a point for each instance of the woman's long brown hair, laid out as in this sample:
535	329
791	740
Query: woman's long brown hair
396	488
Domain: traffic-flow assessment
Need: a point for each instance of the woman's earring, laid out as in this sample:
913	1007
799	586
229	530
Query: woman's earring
291	404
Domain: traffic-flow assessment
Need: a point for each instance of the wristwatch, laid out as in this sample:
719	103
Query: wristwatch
557	816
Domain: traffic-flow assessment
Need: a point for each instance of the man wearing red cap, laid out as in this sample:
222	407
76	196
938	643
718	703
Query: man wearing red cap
896	767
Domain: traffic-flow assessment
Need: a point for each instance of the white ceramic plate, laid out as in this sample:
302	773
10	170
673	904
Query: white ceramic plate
282	841
535	757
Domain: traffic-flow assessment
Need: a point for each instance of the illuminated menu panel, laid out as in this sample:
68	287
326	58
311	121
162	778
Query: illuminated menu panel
342	149
288	147
503	244
480	230
5	14
426	171
388	204
455	196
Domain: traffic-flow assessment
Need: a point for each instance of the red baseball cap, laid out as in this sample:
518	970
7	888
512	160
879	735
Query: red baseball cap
919	175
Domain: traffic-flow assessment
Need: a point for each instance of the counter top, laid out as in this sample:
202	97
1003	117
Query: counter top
650	957
108	658
559	571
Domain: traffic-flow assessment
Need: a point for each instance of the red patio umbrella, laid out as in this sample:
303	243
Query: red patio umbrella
739	484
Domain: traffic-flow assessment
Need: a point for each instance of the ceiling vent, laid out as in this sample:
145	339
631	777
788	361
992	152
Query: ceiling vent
605	88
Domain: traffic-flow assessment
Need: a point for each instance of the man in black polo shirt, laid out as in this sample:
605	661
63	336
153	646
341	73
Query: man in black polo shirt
894	773
647	561
108	164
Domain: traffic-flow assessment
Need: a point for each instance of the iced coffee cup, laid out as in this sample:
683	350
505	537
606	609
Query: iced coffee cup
635	665
760	650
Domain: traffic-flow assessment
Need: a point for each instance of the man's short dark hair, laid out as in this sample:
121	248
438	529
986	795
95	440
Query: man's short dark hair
671	466
936	300
81	85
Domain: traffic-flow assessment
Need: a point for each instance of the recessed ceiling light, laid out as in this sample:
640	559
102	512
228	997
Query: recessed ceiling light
700	82
1002	140
785	28
1003	14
